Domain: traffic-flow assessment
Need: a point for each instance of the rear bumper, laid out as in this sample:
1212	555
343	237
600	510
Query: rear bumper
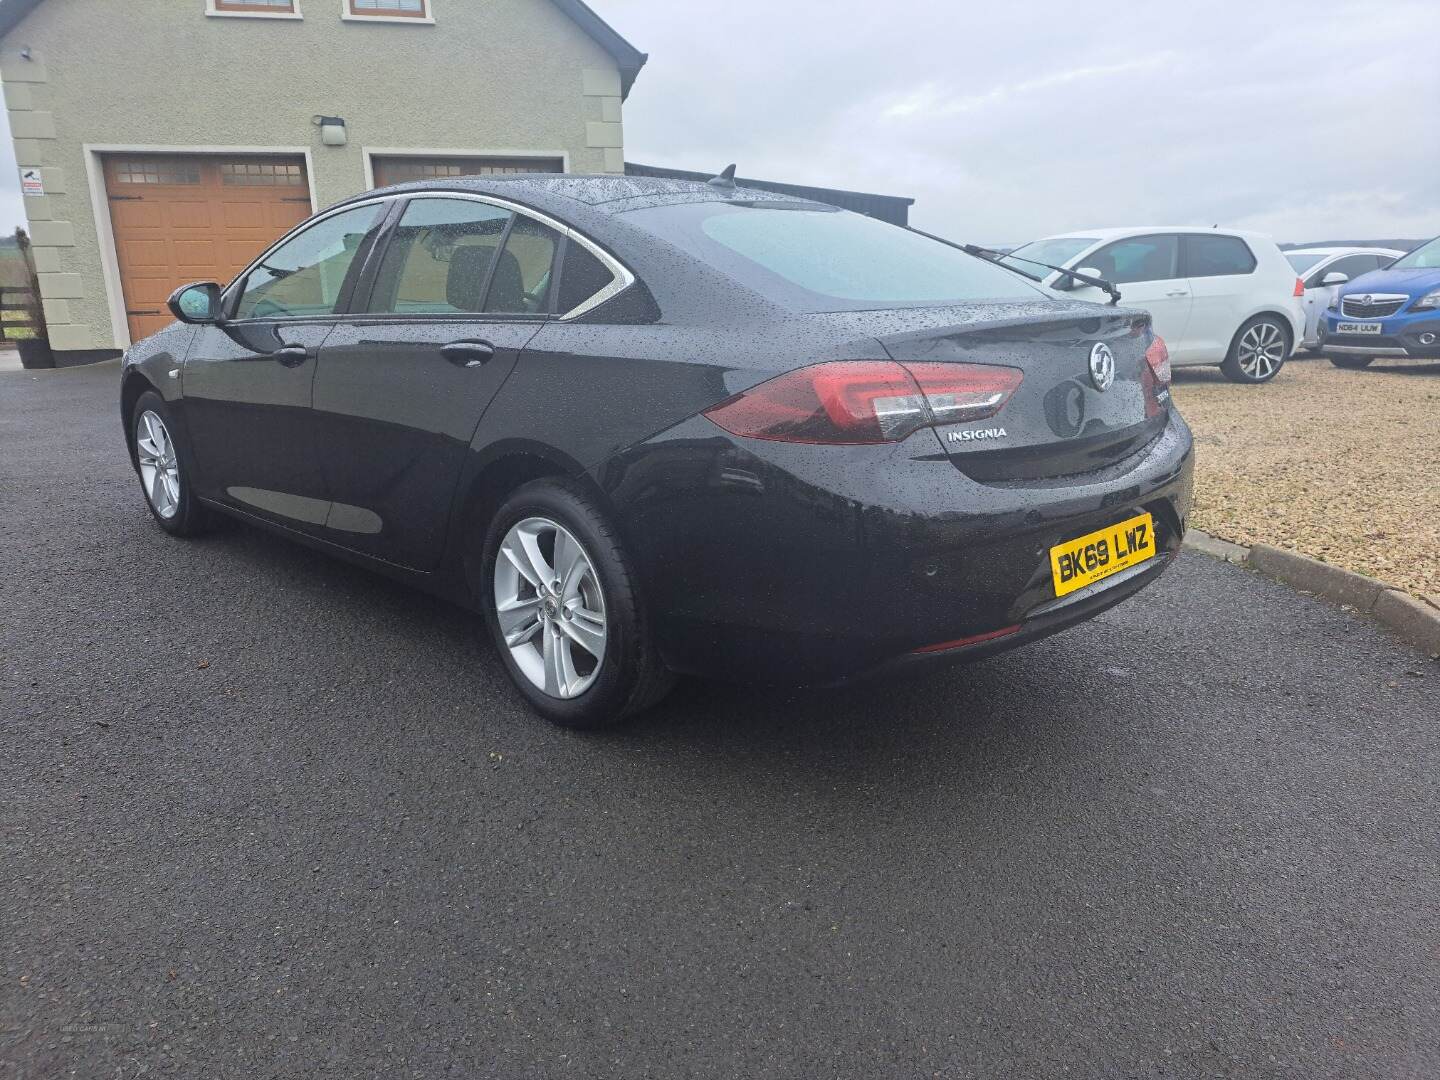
1067	612
771	562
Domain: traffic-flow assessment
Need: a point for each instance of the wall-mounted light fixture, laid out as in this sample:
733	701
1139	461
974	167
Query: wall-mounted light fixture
332	130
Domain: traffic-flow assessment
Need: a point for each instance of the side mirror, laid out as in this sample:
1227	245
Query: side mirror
1065	282
1335	277
197	303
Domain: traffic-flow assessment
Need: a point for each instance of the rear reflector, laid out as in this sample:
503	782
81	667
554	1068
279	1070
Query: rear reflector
960	643
865	401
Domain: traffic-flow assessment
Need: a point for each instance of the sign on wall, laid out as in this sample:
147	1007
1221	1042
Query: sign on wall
31	182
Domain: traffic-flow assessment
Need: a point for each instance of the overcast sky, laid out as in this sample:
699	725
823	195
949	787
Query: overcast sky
1011	119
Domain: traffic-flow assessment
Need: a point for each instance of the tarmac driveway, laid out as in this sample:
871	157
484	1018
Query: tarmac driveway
268	815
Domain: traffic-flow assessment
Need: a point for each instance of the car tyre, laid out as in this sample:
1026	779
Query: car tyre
163	466
1258	350
1352	362
548	633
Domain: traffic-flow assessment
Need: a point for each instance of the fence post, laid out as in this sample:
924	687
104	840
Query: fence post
35	351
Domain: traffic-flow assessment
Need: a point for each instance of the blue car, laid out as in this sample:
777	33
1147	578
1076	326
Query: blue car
1394	312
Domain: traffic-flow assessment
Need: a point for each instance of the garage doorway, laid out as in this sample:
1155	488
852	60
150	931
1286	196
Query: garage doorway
178	218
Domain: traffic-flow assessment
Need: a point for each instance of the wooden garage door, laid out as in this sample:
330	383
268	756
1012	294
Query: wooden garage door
398	170
188	218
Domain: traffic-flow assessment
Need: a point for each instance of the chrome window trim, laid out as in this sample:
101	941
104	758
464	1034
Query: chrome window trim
623	277
622	280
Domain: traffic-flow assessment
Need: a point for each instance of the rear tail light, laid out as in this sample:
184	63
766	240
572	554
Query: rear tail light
1158	357
1299	288
865	401
958	393
1155	376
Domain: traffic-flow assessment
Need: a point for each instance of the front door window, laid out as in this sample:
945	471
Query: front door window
306	275
1137	258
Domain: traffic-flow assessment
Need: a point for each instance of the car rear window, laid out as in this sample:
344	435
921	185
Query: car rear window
1204	255
815	258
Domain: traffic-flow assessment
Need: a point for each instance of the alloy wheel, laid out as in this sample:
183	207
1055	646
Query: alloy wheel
550	607
1261	351
159	464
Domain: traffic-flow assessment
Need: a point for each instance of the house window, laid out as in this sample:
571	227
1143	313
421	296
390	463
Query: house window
400	170
392	9
156	171
254	7
261	174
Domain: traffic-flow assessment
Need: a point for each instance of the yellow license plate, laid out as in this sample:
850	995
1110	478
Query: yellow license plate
1094	556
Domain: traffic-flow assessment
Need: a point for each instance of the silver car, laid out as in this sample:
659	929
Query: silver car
1324	269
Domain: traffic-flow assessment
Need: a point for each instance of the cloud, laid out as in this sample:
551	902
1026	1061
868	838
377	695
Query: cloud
1010	121
931	102
1310	119
12	206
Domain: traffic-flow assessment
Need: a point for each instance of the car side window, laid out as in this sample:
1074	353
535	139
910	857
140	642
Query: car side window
582	275
521	282
306	274
1136	258
1352	266
1213	255
439	259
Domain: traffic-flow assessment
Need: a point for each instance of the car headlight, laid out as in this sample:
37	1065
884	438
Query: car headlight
1429	300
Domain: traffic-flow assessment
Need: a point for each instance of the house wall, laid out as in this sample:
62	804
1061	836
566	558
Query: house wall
490	76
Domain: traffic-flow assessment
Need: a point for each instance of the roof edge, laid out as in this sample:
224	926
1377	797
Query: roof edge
798	190
12	11
627	58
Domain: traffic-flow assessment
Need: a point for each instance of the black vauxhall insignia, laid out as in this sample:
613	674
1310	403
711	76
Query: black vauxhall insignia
649	426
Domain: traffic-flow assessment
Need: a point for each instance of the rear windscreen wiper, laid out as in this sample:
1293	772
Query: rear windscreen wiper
996	256
991	255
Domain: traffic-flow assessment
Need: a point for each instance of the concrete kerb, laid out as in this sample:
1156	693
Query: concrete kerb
1408	618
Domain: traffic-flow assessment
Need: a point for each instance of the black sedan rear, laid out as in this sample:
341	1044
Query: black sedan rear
649	427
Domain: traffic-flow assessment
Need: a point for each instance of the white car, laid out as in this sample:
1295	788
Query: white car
1324	269
1217	296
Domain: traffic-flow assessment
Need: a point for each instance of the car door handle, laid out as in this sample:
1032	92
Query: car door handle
1178	292
468	353
291	355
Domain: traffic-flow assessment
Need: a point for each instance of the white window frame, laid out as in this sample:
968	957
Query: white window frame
428	19
216	13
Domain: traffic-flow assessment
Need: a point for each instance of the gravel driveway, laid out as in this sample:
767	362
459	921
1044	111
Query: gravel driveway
268	815
1339	465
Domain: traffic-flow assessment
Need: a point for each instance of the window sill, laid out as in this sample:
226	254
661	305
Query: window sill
410	20
254	15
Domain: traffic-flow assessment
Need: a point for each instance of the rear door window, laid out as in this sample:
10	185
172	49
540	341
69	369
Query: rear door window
439	258
1207	255
521	281
1136	258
